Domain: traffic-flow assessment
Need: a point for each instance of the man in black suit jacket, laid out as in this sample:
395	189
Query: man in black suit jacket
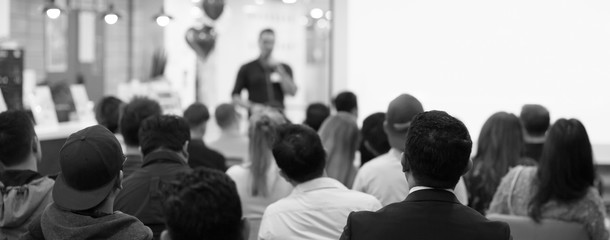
437	153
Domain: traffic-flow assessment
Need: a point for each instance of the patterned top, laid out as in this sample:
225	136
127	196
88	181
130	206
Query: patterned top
516	190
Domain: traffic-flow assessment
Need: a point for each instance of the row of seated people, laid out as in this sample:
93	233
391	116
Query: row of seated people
296	181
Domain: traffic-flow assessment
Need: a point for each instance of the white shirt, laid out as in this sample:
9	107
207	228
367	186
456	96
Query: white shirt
383	178
254	206
232	145
317	209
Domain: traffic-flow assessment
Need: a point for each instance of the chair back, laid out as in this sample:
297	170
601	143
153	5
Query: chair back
525	228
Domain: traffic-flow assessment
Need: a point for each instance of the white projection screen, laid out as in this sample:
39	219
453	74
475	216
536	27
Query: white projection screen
472	58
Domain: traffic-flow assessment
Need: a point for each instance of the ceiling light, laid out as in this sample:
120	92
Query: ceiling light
51	9
316	13
111	16
162	18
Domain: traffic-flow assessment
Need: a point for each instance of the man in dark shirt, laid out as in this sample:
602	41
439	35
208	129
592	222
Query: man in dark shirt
266	80
197	116
132	115
163	140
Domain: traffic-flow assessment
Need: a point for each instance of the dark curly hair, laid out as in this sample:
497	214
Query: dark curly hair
202	204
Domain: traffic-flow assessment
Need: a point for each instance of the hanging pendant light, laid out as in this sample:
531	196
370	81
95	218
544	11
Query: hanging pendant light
111	16
162	19
51	9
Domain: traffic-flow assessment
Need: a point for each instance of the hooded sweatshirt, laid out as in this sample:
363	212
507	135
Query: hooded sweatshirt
24	195
56	223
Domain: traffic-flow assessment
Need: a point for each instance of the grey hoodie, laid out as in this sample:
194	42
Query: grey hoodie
56	223
24	194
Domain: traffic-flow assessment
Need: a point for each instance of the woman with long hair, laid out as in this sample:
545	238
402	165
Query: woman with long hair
341	138
258	181
561	187
499	148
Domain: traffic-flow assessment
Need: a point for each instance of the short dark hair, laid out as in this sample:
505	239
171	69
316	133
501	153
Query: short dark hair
265	31
535	118
299	153
202	204
374	135
345	102
315	115
163	131
225	115
196	114
16	137
437	149
134	112
107	112
566	170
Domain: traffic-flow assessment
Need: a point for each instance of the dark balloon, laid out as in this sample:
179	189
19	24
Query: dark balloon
213	8
201	40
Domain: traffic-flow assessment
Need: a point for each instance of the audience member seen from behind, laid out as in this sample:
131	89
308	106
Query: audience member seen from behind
374	139
381	176
315	115
164	140
203	204
499	148
132	116
24	193
232	143
561	187
84	193
318	207
437	153
536	121
341	137
107	113
258	181
197	116
346	102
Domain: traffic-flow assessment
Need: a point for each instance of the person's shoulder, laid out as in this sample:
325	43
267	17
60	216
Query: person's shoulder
215	154
250	64
380	162
284	205
237	171
357	196
135	228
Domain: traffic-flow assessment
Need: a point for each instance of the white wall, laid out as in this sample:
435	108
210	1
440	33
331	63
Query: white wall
472	58
5	18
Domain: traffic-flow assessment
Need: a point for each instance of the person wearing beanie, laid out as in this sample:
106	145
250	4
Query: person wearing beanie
84	192
163	140
381	176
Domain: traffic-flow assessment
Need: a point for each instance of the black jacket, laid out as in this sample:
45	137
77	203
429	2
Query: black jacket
425	215
141	196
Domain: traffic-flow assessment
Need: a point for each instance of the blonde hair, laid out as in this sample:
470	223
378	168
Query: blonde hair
262	134
340	137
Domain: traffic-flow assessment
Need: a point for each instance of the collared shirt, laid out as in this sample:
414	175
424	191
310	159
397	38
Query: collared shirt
256	78
383	178
419	188
317	209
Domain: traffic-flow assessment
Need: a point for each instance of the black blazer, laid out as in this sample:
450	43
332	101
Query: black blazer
426	214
